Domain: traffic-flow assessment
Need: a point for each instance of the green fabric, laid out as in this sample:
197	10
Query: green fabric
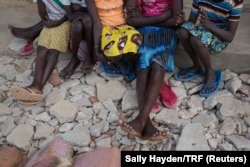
59	3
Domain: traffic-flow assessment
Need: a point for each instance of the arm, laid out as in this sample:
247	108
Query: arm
134	18
225	35
42	11
177	17
72	15
54	23
97	28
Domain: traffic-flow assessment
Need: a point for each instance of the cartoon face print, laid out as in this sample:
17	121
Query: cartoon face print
122	42
137	39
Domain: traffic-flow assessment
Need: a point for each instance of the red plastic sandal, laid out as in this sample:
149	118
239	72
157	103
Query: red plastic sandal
168	96
155	108
27	50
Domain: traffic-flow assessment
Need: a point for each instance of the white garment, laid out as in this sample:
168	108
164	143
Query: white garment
55	11
78	2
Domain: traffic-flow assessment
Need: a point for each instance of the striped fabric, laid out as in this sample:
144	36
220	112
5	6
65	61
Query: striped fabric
55	9
158	45
219	12
78	2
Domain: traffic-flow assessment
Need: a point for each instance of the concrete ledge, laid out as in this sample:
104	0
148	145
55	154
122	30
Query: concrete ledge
239	63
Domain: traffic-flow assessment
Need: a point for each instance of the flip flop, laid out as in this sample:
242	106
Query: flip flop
27	50
129	73
155	107
25	94
110	70
217	83
55	79
190	75
168	96
28	103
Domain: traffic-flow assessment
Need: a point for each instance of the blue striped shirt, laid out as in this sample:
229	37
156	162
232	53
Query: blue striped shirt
219	12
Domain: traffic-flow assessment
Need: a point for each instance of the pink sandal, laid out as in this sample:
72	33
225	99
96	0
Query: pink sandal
155	108
168	96
27	50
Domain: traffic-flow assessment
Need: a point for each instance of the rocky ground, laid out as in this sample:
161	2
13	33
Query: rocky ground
84	110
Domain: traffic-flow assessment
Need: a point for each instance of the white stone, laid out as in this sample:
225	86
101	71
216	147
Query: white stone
64	111
21	136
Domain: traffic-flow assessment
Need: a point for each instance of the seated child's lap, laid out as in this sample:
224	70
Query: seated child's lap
55	38
212	42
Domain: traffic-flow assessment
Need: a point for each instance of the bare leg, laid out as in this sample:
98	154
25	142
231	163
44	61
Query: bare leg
184	37
152	133
141	80
87	66
41	61
29	33
204	56
138	125
76	37
50	65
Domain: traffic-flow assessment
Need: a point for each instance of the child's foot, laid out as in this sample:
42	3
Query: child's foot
29	94
87	68
212	84
70	68
22	33
189	74
151	133
134	127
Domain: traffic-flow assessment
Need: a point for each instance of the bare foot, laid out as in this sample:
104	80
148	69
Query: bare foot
151	133
133	128
35	90
210	78
22	33
87	67
186	72
70	68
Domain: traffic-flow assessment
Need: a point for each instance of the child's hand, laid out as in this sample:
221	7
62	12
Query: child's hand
130	13
48	23
180	18
204	20
164	16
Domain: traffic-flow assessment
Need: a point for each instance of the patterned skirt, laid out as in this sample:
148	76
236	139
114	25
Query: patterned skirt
119	40
213	43
55	38
158	45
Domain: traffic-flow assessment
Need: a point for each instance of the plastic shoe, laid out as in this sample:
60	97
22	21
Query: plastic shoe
110	70
168	96
27	50
189	75
215	84
129	73
156	107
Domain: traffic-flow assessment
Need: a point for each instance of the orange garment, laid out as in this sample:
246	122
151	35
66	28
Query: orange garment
110	12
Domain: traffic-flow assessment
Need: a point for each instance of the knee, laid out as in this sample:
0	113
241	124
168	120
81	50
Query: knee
183	34
157	70
76	26
87	21
196	43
